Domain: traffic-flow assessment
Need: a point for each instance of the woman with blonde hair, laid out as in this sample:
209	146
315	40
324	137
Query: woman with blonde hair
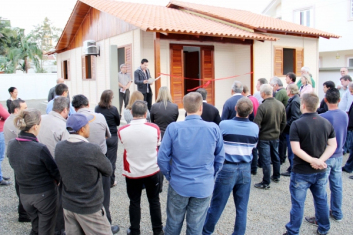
36	172
164	112
136	95
306	84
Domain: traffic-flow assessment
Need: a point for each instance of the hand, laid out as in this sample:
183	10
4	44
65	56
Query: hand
339	87
145	81
318	164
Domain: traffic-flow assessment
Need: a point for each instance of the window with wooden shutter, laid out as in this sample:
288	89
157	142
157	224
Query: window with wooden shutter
207	72
177	74
299	60
89	68
128	60
68	70
65	69
278	70
83	65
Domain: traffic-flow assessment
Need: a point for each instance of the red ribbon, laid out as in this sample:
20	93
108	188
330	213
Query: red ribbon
208	81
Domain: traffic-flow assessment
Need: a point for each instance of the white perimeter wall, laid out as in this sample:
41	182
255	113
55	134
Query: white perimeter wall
30	86
264	56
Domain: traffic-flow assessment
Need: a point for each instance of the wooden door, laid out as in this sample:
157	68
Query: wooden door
177	74
207	73
191	70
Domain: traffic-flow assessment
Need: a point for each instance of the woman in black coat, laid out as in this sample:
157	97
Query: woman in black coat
13	96
293	113
164	111
112	117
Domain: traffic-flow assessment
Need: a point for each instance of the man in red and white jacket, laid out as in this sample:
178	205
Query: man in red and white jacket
140	140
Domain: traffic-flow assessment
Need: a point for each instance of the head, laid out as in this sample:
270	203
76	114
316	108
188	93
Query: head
332	96
246	91
193	103
350	87
59	81
13	92
29	121
61	90
266	91
290	78
305	70
237	87
292	90
276	83
17	105
123	68
79	102
139	109
164	96
144	64
260	82
345	80
136	95
328	85
244	107
306	79
203	93
106	99
344	71
61	105
78	124
309	103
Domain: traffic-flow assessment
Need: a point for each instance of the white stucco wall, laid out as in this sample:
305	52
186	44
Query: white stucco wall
264	55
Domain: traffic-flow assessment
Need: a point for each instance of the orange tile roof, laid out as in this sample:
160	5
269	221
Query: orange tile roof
250	19
163	19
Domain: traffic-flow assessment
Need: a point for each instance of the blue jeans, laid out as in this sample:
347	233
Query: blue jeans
268	151
334	175
2	151
194	208
349	164
234	178
299	184
290	154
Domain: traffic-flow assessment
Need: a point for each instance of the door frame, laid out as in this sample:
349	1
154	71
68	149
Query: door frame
209	47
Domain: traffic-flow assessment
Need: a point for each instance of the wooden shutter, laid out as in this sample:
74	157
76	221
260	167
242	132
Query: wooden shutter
177	74
83	65
128	60
93	67
278	66
299	60
62	69
207	73
68	70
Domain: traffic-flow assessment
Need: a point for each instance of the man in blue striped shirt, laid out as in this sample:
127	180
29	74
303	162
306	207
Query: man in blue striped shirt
240	136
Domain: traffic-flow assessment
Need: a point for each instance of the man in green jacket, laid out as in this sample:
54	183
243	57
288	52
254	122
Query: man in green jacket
306	70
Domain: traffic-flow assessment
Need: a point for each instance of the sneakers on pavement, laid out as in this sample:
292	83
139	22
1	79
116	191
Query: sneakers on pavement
262	185
311	220
331	215
276	180
287	173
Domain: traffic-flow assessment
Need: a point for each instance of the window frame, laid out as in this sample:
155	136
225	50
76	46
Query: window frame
298	51
86	67
297	13
66	70
350	10
349	58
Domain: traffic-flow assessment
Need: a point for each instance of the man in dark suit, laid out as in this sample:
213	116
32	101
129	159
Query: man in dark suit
52	93
209	112
142	74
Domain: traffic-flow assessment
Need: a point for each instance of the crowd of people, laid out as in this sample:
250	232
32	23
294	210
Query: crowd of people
64	161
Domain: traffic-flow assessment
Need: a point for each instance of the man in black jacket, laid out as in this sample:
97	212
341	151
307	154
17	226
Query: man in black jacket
142	74
323	106
209	112
52	93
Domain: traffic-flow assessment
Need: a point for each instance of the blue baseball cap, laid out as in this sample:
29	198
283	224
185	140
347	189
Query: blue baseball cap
76	121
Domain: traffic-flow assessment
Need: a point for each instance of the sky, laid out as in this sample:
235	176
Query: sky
27	13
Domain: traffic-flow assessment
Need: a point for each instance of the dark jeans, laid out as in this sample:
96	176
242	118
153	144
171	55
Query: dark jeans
282	147
123	97
106	196
254	161
148	98
60	222
22	214
41	208
134	190
268	151
112	145
299	185
349	164
236	179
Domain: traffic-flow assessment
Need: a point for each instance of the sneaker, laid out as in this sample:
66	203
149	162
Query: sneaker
317	232
311	220
5	183
6	178
115	229
331	215
287	173
344	169
276	180
262	185
254	173
351	177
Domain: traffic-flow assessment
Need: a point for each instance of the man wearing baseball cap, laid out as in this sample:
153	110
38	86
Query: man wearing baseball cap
82	166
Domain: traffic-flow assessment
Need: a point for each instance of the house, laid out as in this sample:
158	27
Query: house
331	15
180	40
